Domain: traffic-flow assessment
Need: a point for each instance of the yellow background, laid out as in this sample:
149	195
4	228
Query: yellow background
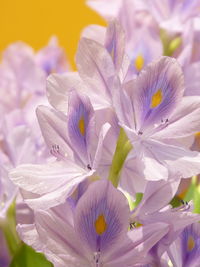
35	21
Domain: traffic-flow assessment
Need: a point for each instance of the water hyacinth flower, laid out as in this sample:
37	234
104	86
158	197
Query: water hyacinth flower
73	141
99	233
155	116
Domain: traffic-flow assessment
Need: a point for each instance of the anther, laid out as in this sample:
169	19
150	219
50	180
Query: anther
89	167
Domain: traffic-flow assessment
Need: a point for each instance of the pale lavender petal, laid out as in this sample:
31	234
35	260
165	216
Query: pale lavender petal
176	159
157	195
50	184
140	240
53	125
106	8
192	85
96	68
60	85
123	104
94	32
99	150
115	43
184	121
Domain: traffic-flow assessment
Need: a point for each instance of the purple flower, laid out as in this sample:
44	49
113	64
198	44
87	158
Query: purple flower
72	139
97	234
155	116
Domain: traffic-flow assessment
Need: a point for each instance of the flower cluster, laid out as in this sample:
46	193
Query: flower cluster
97	176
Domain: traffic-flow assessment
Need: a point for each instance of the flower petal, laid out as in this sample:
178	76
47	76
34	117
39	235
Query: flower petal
115	43
81	125
101	217
159	88
48	185
59	86
184	121
96	68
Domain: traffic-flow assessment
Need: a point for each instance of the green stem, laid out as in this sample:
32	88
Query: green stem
122	150
8	227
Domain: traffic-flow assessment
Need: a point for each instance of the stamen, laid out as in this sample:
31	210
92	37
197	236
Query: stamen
97	259
185	206
55	151
132	225
89	167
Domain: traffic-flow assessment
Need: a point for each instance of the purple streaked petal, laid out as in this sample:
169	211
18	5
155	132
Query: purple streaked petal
101	202
159	88
190	244
81	125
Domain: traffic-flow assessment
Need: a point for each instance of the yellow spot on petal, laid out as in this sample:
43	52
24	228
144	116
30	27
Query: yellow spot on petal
156	99
190	243
139	62
100	225
81	125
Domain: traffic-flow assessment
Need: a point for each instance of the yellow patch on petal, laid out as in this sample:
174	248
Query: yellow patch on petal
156	99
100	225
190	243
139	62
81	125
